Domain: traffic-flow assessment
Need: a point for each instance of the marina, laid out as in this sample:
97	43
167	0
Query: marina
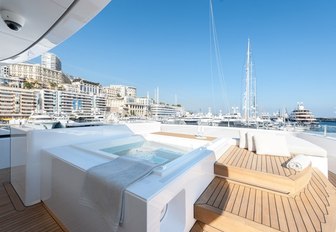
81	157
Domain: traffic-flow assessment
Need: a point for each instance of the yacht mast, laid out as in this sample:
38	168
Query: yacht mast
250	95
247	84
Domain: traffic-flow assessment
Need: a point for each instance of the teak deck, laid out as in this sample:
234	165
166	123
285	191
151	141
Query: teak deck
16	218
264	171
229	205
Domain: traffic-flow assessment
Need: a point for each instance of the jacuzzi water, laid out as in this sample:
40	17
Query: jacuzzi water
154	152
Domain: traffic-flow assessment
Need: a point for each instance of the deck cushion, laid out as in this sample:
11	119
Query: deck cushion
250	141
269	144
300	146
243	139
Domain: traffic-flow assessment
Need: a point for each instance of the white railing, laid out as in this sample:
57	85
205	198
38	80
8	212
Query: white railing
325	130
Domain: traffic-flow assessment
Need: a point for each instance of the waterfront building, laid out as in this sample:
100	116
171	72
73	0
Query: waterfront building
51	61
85	86
16	102
113	91
139	107
160	111
66	102
4	71
20	103
10	81
41	77
115	105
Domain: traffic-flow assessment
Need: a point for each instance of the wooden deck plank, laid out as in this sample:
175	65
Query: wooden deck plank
16	201
319	190
249	162
317	198
265	209
332	178
297	215
215	193
281	214
318	176
317	208
269	167
304	214
281	170
254	162
275	166
258	207
244	203
273	212
263	161
246	158
208	191
243	155
242	158
315	220
221	195
196	227
251	205
201	227
232	198
227	154
226	196
237	203
20	218
237	158
249	168
289	215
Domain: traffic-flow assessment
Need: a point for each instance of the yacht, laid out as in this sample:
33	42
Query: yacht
302	116
227	179
41	120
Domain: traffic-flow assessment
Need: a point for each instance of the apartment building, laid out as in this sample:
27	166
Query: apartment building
16	103
114	91
51	61
42	77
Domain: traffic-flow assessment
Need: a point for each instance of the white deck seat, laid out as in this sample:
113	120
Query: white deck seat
300	146
296	146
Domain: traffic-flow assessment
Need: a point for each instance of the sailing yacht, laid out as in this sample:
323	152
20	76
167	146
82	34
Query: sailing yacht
228	179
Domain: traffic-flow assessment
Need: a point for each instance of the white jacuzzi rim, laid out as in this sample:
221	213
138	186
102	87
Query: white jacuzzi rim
161	170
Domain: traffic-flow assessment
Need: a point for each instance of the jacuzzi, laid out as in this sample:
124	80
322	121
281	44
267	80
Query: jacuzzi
162	201
136	146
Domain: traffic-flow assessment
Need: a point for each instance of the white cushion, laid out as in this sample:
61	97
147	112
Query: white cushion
268	144
243	139
250	141
300	146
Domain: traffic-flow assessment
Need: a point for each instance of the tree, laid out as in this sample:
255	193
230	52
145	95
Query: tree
53	85
27	85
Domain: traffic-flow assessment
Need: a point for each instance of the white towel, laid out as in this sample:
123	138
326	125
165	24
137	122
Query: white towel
105	184
299	162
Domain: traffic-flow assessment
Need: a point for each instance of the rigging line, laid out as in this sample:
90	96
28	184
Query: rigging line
211	58
220	71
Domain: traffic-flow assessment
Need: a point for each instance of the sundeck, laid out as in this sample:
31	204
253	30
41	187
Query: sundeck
195	186
194	178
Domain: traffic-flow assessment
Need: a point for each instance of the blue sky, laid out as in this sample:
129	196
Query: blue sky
166	44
